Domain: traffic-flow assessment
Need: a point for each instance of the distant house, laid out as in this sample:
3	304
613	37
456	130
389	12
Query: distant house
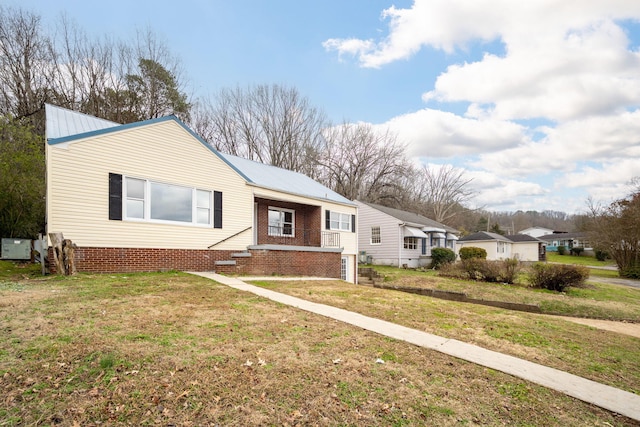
536	231
520	246
152	195
388	236
568	240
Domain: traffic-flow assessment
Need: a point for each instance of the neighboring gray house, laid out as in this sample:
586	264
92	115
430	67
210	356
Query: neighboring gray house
519	246
568	240
388	236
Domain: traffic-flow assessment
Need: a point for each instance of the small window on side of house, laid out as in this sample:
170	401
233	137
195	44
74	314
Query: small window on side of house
411	243
376	237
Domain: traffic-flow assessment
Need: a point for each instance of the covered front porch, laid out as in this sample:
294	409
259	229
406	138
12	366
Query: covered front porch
291	224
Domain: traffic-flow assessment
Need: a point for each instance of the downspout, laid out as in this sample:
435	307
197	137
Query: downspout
400	241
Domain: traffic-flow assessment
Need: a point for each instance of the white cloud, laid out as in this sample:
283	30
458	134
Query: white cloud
497	192
434	133
349	46
597	139
566	63
581	72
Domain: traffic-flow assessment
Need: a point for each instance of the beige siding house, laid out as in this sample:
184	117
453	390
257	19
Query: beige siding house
520	246
153	196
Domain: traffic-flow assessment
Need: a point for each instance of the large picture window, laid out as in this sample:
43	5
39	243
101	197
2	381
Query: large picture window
160	202
281	222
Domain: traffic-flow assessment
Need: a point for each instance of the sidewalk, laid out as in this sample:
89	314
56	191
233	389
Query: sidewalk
611	398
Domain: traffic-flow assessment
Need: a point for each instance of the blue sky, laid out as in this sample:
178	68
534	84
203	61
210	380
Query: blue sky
539	102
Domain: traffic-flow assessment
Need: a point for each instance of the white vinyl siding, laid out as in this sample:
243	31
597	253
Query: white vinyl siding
78	189
391	242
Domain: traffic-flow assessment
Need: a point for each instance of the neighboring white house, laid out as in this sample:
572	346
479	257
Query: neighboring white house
152	195
536	231
520	246
388	236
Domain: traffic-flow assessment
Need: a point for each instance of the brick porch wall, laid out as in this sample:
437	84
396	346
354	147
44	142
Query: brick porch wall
305	217
262	262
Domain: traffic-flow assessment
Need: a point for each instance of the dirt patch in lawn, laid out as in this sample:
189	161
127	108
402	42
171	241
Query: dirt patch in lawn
626	328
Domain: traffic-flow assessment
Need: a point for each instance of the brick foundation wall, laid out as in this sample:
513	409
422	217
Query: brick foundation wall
262	262
287	263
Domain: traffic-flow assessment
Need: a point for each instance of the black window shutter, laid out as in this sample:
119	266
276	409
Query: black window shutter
217	209
115	196
353	223
327	220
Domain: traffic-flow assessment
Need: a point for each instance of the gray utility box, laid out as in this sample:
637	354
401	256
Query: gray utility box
16	249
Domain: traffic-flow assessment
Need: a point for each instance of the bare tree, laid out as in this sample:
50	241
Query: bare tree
24	56
272	124
443	190
364	164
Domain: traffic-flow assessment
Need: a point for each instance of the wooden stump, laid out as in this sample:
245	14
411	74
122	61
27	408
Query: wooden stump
63	254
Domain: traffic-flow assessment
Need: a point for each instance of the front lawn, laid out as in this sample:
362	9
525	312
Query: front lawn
579	260
174	349
596	300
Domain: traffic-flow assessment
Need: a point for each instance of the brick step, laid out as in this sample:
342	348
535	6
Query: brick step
226	262
241	255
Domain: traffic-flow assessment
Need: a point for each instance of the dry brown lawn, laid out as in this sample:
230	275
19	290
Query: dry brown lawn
173	349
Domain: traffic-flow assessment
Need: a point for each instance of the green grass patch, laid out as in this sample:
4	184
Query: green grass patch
579	260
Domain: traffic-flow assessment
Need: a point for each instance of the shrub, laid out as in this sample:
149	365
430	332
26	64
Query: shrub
510	269
577	251
562	250
557	277
631	272
469	252
452	270
601	255
490	271
504	271
472	268
441	256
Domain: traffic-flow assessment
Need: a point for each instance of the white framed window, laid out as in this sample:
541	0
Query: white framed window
203	207
411	243
152	201
339	221
281	222
376	237
502	247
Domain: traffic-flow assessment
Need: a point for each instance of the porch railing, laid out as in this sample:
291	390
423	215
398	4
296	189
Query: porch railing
301	237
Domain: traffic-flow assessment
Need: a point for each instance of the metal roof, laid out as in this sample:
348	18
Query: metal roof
410	217
280	179
61	122
64	125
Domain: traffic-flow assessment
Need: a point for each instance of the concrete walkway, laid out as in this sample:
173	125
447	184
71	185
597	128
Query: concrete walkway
604	396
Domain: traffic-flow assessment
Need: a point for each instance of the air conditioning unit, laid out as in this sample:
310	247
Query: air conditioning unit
18	249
